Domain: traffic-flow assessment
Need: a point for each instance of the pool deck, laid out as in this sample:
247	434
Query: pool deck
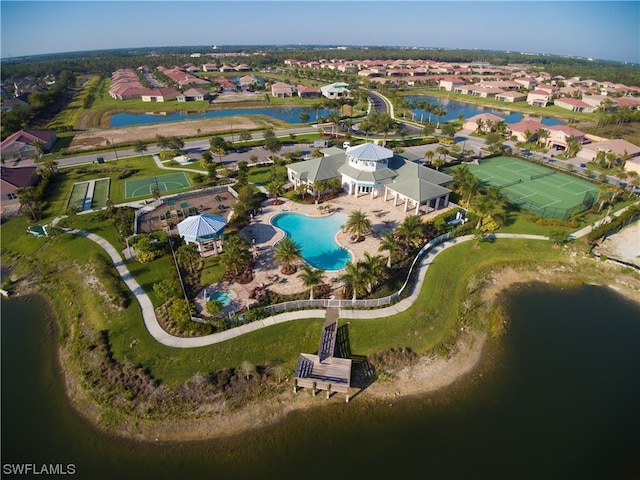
384	217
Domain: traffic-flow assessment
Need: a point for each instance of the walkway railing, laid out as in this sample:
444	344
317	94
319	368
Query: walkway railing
358	303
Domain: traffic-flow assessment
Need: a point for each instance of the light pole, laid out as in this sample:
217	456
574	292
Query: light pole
114	149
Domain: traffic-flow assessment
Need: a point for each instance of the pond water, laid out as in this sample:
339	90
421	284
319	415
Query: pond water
285	114
455	108
556	399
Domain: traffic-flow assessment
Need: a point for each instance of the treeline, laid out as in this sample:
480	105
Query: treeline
106	61
39	103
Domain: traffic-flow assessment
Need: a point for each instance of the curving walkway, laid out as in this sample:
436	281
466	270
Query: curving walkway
156	331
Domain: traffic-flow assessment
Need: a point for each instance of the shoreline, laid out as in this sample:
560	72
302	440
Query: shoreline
429	374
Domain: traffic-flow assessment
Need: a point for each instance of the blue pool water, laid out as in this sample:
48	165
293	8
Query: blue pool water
222	297
286	114
316	238
467	110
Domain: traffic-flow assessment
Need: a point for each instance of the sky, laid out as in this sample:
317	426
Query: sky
607	30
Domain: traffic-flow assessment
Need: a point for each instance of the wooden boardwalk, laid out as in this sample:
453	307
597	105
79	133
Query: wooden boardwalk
324	371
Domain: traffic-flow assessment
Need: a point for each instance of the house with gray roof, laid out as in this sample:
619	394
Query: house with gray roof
374	171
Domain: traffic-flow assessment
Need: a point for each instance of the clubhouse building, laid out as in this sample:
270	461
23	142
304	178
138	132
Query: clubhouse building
374	171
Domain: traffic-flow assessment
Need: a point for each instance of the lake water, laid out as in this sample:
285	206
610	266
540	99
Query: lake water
557	399
285	114
455	108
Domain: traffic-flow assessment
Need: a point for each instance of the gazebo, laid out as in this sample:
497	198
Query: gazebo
205	230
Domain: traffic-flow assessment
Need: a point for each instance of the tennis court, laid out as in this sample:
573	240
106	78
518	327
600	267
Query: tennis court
170	182
543	191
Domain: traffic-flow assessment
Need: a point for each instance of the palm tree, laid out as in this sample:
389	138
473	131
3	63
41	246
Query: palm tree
355	276
412	231
311	277
440	150
373	265
483	207
429	154
357	225
187	255
439	112
389	242
236	253
466	181
287	252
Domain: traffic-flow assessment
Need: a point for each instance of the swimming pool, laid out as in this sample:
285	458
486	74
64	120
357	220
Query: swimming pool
223	297
316	238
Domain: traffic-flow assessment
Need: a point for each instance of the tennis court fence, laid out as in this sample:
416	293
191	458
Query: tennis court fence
552	212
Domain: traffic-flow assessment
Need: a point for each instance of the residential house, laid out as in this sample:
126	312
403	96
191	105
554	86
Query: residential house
486	92
573	104
482	121
225	85
526	82
559	136
248	81
336	90
160	95
21	144
193	94
522	129
11	179
12	103
450	84
622	149
539	98
308	92
511	97
281	90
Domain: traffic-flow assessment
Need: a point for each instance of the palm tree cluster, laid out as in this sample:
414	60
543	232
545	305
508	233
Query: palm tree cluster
487	203
364	274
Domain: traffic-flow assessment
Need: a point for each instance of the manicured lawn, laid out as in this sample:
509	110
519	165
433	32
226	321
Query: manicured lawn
261	175
212	272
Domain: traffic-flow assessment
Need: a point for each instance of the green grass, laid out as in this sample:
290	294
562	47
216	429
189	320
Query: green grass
62	184
78	194
261	175
147	274
434	318
212	272
100	193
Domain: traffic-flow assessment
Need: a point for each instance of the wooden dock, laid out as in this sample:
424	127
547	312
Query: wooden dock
324	371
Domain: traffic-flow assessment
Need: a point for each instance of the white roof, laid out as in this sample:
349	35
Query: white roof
369	151
201	226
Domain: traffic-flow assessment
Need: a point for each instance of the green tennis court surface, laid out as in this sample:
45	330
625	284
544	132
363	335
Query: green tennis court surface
543	191
170	182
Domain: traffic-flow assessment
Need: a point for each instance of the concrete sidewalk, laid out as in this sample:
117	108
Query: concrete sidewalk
156	331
